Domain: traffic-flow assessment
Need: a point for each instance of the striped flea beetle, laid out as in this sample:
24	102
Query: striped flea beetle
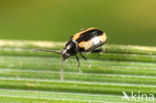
87	40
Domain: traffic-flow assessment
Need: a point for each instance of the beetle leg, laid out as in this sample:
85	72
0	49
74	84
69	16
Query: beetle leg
78	61
85	59
98	51
61	70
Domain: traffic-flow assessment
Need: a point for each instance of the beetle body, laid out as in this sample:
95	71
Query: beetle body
87	40
84	41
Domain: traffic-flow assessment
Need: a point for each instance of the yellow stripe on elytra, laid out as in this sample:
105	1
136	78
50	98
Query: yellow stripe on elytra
103	37
77	35
86	44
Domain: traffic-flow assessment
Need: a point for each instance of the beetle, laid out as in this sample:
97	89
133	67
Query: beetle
87	40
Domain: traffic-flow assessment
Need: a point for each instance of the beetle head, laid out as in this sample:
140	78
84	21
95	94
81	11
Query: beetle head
65	54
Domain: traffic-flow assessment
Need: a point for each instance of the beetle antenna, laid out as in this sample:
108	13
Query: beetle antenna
61	69
42	50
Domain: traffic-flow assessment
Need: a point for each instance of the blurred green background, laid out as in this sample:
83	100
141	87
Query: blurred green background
124	21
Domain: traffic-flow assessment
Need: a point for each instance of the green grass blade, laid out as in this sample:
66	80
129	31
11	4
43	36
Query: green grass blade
32	77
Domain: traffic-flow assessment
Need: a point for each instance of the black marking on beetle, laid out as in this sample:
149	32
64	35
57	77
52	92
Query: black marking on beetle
89	35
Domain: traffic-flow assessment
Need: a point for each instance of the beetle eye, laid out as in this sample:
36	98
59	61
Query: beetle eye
66	55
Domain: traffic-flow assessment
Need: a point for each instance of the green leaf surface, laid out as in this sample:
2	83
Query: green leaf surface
34	77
